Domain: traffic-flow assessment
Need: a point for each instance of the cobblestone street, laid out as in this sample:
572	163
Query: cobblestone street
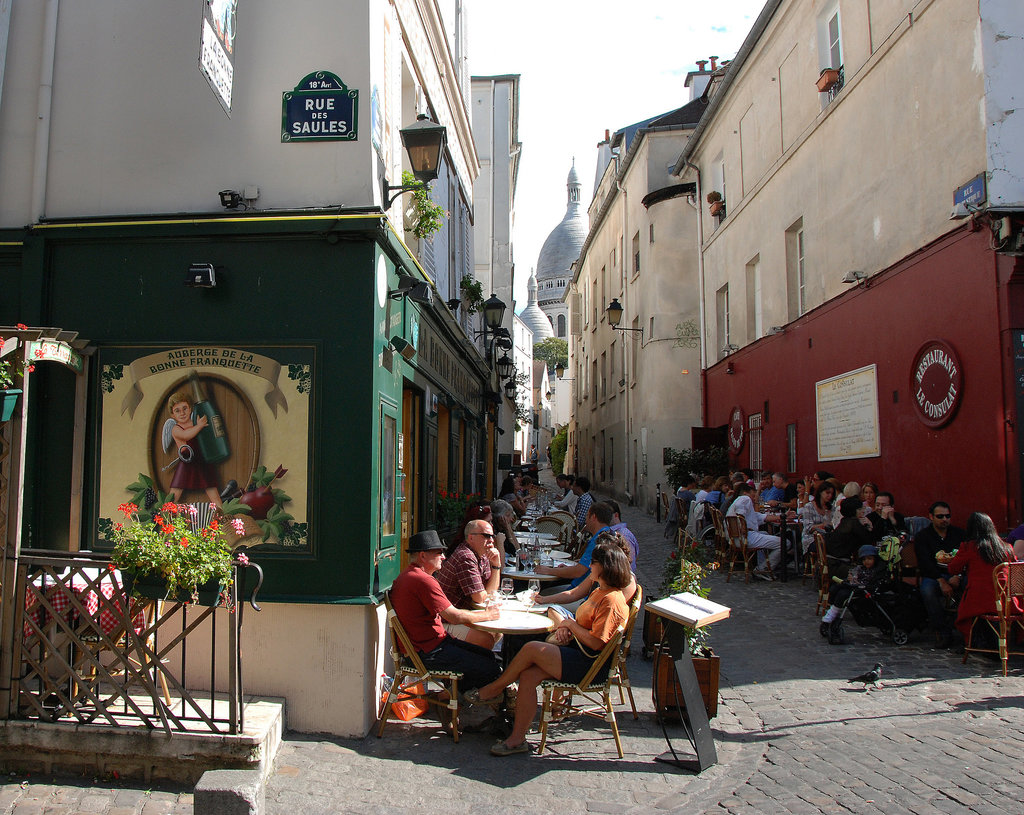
792	735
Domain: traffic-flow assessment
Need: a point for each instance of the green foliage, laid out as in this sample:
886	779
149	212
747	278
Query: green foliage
451	507
559	442
429	216
682	463
13	366
553	350
167	546
686	567
472	293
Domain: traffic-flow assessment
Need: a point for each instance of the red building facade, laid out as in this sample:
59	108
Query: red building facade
947	420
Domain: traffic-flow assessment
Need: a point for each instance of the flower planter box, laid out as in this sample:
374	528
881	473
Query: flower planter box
8	399
828	78
668	693
154	587
718	208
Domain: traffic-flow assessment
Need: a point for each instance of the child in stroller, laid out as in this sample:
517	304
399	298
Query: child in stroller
875	598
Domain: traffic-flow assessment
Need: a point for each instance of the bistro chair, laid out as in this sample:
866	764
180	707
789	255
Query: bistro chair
563	516
717	519
410	670
682	515
596	694
550	525
821	568
621	676
738	553
1006	623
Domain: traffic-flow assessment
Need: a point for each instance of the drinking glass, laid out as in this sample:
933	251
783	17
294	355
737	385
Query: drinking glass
534	587
507	587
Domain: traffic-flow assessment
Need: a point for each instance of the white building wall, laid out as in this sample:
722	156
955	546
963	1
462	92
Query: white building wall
1001	42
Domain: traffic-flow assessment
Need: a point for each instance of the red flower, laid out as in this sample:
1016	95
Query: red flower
184	541
31	368
22	326
111	566
39	353
128	509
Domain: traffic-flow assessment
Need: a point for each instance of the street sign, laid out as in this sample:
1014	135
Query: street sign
321	108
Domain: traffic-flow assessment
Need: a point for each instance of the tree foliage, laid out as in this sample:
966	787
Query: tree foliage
553	351
683	463
558	444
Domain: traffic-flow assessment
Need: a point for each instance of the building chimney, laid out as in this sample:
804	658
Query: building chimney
700	65
714	63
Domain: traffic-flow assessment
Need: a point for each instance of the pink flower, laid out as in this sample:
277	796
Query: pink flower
193	510
243	559
238	525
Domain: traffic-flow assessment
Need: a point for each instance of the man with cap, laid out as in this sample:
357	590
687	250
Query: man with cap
421	605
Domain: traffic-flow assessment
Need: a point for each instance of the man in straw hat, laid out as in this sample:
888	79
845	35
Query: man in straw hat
421	605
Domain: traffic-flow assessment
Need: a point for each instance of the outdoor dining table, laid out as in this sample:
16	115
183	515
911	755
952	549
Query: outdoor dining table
88	587
520	574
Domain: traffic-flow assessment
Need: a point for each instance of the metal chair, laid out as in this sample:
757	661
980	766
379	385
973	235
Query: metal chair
1007	621
621	676
410	670
821	569
682	516
596	693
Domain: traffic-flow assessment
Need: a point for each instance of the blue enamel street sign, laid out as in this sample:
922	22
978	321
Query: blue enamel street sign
321	108
973	192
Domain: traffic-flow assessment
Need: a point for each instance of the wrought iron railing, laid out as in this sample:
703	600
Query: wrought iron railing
834	90
78	649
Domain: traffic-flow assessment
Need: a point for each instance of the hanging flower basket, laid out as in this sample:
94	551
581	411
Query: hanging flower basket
9	400
828	78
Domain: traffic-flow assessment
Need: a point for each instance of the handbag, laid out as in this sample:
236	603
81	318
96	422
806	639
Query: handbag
409	704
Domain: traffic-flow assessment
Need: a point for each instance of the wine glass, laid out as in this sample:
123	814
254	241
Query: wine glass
507	587
533	588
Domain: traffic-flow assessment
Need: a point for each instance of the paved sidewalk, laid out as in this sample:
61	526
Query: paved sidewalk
792	735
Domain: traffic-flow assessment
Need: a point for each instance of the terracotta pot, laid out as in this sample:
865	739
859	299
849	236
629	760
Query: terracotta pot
670	695
718	207
828	78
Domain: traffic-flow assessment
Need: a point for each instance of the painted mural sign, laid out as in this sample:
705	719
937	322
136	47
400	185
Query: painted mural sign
210	424
846	409
321	108
937	383
217	48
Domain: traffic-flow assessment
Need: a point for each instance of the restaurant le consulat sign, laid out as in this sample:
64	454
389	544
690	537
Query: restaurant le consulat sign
937	382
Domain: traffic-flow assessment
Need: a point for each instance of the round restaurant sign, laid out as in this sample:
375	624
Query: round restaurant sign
737	428
937	383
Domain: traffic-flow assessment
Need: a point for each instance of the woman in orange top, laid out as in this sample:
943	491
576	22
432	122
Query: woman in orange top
579	641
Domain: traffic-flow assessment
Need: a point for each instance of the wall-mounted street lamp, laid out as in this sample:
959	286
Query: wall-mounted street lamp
424	142
510	389
559	371
614	312
504	366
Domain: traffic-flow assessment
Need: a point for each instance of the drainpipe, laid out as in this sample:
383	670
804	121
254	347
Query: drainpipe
625	288
43	109
700	287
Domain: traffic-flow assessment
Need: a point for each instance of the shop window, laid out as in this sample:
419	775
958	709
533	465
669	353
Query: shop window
791	447
754	441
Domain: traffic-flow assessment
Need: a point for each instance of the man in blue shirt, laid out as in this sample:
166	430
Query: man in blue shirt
617	525
598	520
581	486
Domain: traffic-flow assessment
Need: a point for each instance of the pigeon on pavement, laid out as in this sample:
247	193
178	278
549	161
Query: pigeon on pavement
869	678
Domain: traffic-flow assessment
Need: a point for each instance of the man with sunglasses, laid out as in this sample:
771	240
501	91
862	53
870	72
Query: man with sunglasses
469	575
936	584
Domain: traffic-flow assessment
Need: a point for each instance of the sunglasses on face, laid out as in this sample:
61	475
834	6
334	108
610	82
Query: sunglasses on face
944	517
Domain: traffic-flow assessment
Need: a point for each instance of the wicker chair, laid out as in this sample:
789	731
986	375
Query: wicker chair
738	553
409	666
721	532
596	694
1006	623
550	525
621	676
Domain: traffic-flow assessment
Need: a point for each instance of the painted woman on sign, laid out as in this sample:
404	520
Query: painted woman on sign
192	472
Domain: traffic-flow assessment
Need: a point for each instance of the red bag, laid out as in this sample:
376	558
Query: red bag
407	706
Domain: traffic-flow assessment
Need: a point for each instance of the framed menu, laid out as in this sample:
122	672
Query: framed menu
846	409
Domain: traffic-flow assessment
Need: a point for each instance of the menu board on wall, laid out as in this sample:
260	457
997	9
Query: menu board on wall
846	409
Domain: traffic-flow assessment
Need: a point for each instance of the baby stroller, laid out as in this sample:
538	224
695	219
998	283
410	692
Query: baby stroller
889	604
892	606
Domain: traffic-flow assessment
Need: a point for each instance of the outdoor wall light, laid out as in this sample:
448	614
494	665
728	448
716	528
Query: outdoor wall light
730	348
855	276
559	371
776	329
403	347
494	312
729	369
510	389
424	142
416	290
614	312
504	366
201	276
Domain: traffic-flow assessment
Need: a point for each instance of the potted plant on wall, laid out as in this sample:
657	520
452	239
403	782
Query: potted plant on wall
11	368
170	556
426	216
827	79
685	570
472	293
717	203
